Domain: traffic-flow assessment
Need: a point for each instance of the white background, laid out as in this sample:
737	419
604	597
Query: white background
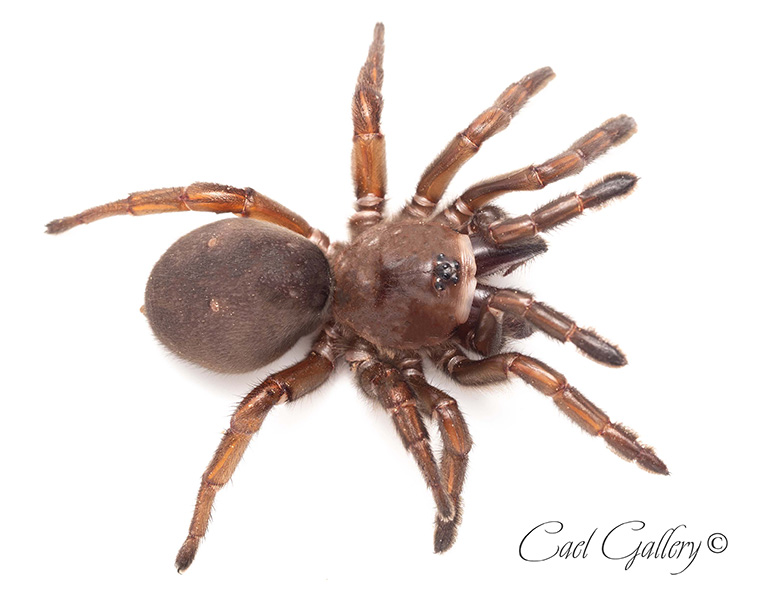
104	435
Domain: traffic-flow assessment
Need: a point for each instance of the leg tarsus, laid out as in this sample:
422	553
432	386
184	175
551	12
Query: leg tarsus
446	531
624	443
187	553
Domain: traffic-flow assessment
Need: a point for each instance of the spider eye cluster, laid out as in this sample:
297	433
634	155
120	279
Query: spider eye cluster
446	272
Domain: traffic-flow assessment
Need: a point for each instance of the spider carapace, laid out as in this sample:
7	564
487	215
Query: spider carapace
234	295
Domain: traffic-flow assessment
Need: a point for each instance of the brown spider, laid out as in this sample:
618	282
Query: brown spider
234	295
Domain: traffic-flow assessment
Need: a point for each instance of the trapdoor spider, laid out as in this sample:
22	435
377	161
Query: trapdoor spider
234	295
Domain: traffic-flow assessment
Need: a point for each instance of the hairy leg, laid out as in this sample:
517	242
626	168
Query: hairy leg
572	161
368	155
201	197
551	383
456	446
384	383
285	386
561	210
549	321
466	144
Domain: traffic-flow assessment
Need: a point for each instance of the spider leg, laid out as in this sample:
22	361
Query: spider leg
386	384
201	197
456	446
488	328
368	155
490	258
465	145
589	147
559	211
524	306
551	383
285	386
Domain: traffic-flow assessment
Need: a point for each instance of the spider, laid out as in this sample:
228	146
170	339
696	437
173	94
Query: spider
234	295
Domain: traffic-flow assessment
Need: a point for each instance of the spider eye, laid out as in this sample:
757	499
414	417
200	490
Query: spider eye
446	272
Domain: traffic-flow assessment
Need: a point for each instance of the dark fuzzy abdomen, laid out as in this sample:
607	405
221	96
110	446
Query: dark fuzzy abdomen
236	294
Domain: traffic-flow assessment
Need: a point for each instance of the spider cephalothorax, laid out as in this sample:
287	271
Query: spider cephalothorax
234	295
404	285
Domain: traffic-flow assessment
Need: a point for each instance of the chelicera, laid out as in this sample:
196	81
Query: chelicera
234	295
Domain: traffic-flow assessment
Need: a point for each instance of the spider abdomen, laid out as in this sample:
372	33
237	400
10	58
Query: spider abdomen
233	295
405	285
